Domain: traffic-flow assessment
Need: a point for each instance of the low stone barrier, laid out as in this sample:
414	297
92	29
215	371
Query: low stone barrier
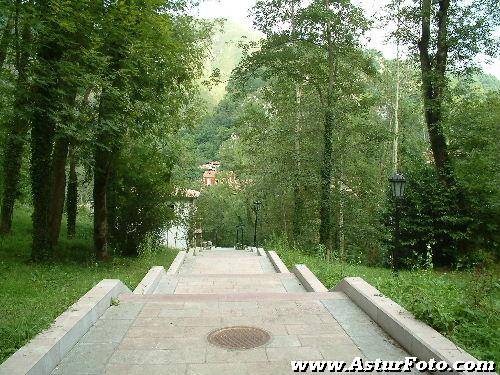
415	336
309	281
149	283
276	261
44	352
176	264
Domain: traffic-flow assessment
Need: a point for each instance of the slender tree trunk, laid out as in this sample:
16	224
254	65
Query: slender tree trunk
58	187
341	221
102	169
326	189
59	159
13	156
72	194
298	207
298	204
16	138
327	165
106	140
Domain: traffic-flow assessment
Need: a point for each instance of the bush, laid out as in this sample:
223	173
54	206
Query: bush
140	197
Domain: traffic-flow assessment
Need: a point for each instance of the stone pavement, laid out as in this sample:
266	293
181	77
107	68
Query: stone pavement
166	332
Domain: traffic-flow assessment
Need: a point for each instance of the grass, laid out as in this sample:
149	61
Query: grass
33	295
463	306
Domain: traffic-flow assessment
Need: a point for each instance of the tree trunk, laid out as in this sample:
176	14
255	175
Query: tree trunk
327	165
58	187
13	156
326	189
102	168
16	138
72	194
42	137
298	207
45	99
59	158
433	70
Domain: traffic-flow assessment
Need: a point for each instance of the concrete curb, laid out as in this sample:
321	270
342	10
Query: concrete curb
277	263
415	336
44	352
261	252
149	282
308	280
176	264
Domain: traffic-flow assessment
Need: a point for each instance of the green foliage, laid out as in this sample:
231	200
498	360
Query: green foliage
460	305
140	197
220	209
33	295
462	231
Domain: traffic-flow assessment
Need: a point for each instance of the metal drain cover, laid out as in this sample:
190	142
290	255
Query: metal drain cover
239	337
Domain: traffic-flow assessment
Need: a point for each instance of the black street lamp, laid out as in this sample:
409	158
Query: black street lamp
239	234
398	189
256	207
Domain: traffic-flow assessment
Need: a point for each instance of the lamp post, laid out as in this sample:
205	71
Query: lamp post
239	235
256	208
398	189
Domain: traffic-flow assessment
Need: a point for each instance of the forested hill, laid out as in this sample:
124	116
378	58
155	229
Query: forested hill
226	53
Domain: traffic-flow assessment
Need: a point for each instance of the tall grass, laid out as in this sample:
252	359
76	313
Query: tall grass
464	306
33	295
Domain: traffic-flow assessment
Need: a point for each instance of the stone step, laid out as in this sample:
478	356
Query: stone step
167	298
228	283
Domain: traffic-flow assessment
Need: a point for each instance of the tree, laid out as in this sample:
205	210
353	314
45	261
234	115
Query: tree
153	57
64	29
447	35
309	44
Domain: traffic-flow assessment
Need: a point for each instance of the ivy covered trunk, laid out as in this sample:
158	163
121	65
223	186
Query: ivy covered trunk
58	187
59	159
16	137
433	71
42	138
72	194
13	156
102	168
45	103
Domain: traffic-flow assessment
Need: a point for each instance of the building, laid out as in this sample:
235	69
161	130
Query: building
177	236
210	177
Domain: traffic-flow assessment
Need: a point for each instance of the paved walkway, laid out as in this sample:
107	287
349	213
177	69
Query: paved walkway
165	333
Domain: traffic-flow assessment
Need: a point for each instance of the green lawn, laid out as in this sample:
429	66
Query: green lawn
464	306
33	295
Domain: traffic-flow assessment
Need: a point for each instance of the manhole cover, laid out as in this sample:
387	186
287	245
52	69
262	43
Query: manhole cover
239	337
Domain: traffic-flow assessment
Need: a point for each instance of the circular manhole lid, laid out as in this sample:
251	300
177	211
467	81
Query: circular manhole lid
239	337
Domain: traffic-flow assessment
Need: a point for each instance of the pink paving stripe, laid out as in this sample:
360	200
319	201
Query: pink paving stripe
236	275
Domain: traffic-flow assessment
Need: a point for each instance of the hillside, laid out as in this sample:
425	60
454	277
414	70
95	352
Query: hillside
226	54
